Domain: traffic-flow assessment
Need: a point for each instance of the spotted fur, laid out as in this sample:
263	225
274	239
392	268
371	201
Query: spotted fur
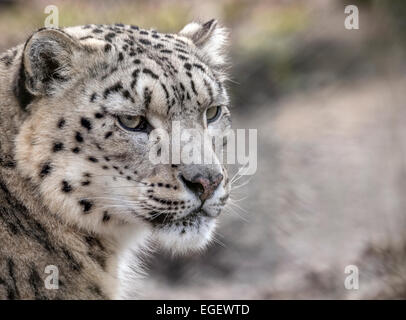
76	190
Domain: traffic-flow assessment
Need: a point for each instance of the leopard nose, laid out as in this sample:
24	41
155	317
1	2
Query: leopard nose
203	187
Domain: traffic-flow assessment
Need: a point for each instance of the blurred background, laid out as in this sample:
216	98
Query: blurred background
329	106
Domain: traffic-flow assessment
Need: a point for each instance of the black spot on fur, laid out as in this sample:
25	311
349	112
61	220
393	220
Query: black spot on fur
78	137
61	123
181	50
45	170
115	88
58	146
86	123
147	97
92	159
108	135
109	36
129	42
106	217
128	96
180	42
93	97
87	205
192	84
145	41
166	95
149	72
76	150
199	66
135	76
66	187
166	51
209	90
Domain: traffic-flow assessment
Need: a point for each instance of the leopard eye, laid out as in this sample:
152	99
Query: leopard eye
212	114
133	123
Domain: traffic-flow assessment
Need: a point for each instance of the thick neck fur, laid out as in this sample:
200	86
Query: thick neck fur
33	238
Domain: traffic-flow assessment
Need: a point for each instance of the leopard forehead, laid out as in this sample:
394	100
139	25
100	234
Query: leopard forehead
163	73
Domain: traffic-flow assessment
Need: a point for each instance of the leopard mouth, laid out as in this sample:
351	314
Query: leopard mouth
196	212
164	220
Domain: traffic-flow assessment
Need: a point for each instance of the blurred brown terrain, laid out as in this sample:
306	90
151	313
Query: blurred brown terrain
329	106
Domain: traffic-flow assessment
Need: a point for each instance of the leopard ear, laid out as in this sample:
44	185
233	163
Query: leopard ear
210	38
48	61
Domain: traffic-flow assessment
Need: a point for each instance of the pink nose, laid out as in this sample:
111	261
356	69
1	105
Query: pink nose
203	187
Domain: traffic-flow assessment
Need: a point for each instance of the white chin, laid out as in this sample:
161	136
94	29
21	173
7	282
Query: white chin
183	239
